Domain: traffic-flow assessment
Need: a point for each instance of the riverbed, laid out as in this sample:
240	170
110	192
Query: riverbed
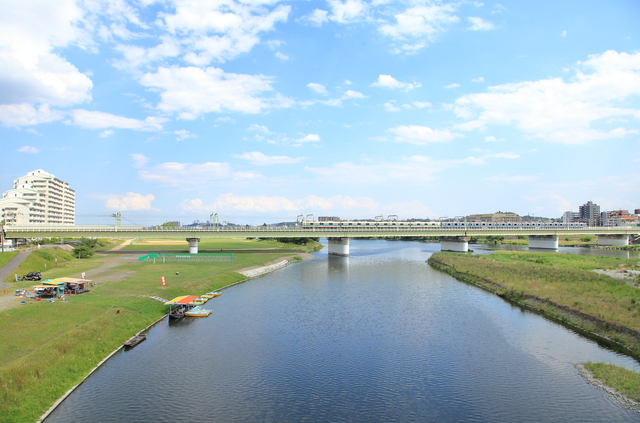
377	336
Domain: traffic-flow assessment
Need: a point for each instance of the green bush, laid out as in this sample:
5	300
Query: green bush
82	251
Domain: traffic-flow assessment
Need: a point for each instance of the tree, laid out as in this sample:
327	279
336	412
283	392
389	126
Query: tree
169	224
82	251
494	239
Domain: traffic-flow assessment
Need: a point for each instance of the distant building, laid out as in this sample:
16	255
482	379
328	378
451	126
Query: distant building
617	218
328	219
39	198
495	217
590	214
570	217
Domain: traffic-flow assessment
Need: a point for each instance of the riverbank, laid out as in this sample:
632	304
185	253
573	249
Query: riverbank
49	347
584	293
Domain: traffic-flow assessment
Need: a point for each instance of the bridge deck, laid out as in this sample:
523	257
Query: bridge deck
108	231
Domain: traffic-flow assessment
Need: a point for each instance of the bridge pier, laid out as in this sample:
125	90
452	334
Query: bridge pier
193	245
458	244
546	242
613	240
338	246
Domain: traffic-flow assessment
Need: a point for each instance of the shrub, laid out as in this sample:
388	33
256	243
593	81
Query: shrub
82	251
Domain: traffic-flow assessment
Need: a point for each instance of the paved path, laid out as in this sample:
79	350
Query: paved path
8	269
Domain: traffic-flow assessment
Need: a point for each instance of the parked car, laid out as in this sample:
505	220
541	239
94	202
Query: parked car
32	276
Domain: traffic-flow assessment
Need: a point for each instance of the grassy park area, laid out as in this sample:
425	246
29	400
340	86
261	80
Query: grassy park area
565	288
48	347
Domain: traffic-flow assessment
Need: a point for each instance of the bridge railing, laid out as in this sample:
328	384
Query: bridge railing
35	229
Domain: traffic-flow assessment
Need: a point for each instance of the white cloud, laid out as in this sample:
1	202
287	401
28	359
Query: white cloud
454	85
417	169
259	128
353	94
131	201
183	134
420	135
421	104
261	159
25	114
31	72
201	32
28	149
269	204
318	88
391	107
190	176
99	120
559	111
106	133
139	160
318	17
479	24
479	79
388	81
421	21
513	179
347	11
282	56
309	138
192	91
563	34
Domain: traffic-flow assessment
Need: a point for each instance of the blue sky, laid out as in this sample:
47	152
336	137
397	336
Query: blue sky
261	110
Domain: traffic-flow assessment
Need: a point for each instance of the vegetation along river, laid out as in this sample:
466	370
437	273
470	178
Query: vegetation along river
377	336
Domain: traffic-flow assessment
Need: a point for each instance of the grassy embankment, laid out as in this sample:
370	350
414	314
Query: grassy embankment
6	257
563	287
209	245
48	347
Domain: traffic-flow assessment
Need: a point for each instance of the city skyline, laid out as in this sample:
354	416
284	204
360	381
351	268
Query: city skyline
260	110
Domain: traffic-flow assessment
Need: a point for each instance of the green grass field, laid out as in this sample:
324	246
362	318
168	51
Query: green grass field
204	244
564	279
48	347
7	256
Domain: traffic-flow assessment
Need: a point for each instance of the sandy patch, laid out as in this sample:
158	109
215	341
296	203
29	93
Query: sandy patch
121	246
623	274
168	242
303	256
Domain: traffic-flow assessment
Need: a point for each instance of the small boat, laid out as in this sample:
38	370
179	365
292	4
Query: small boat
197	312
135	340
214	294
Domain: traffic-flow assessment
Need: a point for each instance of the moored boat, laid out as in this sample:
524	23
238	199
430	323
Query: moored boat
197	312
135	340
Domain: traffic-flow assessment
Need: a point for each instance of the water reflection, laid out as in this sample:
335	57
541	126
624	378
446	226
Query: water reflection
378	336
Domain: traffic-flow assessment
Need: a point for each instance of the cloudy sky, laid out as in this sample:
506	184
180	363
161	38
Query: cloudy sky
261	110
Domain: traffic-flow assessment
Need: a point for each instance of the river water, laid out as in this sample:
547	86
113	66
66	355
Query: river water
375	337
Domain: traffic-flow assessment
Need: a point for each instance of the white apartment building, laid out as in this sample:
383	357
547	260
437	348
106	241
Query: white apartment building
38	198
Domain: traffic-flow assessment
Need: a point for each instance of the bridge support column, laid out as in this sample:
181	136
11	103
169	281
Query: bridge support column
546	242
613	239
193	245
458	244
339	246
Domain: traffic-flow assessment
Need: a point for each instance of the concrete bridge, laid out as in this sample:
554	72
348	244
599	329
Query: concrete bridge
451	239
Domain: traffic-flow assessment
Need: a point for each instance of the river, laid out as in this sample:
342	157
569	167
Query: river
375	337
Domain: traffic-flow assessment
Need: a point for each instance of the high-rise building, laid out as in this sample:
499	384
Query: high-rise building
590	213
38	198
570	217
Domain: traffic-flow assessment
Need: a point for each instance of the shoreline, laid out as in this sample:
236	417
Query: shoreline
583	323
249	273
